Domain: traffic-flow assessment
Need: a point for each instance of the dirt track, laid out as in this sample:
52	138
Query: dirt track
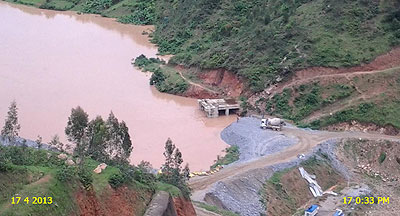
307	140
298	80
381	64
196	84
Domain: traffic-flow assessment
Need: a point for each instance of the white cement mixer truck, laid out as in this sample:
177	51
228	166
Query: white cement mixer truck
272	123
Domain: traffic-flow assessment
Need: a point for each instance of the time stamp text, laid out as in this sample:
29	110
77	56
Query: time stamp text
32	200
365	200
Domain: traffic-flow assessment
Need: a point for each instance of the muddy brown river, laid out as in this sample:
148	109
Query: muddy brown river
53	61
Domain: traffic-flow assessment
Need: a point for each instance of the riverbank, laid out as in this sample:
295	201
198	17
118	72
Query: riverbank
309	104
89	64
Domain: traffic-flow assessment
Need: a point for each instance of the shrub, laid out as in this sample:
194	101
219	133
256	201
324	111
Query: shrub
157	77
144	177
232	155
117	180
65	173
142	61
85	177
382	157
143	13
96	6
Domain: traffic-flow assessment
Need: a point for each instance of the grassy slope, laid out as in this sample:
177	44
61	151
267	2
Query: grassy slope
263	40
62	194
39	179
379	101
27	172
260	40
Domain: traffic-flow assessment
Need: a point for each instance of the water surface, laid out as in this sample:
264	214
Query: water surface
52	61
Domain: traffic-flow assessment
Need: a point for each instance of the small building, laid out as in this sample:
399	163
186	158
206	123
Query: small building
213	107
313	210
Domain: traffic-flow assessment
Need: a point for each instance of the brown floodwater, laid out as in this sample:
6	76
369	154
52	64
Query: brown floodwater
53	61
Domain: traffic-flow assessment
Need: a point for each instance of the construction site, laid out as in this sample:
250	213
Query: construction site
302	172
214	107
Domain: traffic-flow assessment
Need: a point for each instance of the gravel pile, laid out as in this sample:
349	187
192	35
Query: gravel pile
254	142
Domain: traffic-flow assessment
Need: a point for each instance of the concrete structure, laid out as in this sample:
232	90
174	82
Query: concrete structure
212	107
161	205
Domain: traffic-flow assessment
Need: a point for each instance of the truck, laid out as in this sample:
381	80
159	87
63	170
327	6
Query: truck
272	123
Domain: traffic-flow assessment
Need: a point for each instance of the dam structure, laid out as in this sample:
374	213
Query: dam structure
213	107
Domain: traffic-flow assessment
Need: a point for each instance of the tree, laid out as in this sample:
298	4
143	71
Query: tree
113	136
97	136
11	127
76	130
39	142
168	166
177	166
145	166
186	172
56	143
118	141
126	141
172	168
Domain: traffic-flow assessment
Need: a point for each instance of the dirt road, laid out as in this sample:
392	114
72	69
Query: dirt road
196	84
307	140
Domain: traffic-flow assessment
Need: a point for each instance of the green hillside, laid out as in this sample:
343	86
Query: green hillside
261	40
264	42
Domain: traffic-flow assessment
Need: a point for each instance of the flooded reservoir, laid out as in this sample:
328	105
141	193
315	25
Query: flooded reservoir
53	61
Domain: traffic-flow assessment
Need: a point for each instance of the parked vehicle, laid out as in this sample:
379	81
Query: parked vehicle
272	123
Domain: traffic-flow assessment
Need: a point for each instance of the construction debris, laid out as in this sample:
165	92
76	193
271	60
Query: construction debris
315	189
210	172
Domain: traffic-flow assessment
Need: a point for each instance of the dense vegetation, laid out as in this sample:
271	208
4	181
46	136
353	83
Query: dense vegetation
382	115
164	77
22	167
32	171
262	40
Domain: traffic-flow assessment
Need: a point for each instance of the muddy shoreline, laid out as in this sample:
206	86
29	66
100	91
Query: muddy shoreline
88	63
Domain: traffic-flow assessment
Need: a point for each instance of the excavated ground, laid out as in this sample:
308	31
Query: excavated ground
236	187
